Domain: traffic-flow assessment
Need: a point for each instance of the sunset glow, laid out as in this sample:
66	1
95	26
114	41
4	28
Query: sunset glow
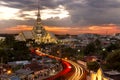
61	16
104	29
16	29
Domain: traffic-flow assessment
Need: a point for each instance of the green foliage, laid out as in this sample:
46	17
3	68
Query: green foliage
113	47
93	47
103	54
4	55
90	48
114	57
93	66
11	50
20	45
68	52
113	60
9	41
63	51
97	42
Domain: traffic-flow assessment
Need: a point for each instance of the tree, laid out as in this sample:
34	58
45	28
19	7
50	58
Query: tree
103	54
68	52
113	60
9	41
20	45
113	47
94	66
90	48
3	55
98	45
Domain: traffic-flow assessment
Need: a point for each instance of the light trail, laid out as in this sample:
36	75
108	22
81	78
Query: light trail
79	71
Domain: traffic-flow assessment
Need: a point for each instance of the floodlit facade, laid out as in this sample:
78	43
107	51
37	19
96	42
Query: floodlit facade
39	34
99	75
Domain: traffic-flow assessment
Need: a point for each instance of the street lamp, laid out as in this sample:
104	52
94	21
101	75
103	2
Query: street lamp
103	49
78	50
9	72
58	52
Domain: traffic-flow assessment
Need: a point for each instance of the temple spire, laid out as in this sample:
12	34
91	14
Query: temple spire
38	14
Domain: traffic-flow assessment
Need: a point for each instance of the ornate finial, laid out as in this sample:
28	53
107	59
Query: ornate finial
38	15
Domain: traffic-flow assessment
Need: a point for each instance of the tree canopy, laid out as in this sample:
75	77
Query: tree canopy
113	60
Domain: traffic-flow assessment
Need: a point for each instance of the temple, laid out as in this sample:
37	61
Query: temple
38	33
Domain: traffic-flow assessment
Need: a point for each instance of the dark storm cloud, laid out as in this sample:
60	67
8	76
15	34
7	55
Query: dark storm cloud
30	4
95	12
82	12
65	22
104	3
13	23
21	4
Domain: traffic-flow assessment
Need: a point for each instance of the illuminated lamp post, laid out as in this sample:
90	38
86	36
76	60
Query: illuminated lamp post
103	53
104	49
9	72
78	50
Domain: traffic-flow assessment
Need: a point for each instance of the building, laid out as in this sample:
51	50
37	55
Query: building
2	38
117	35
115	75
98	75
38	33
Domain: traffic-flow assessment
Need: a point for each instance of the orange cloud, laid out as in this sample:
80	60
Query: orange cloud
20	28
16	29
101	29
57	30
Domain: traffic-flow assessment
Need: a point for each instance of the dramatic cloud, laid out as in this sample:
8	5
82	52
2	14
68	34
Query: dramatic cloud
63	15
94	12
16	29
8	13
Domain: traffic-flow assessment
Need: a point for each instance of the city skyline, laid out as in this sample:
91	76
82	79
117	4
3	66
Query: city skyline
61	16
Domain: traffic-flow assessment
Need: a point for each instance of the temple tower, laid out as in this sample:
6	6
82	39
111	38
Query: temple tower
38	33
41	35
39	30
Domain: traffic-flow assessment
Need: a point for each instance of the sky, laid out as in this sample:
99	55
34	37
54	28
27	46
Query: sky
61	16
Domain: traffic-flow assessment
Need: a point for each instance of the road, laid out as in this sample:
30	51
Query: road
79	72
